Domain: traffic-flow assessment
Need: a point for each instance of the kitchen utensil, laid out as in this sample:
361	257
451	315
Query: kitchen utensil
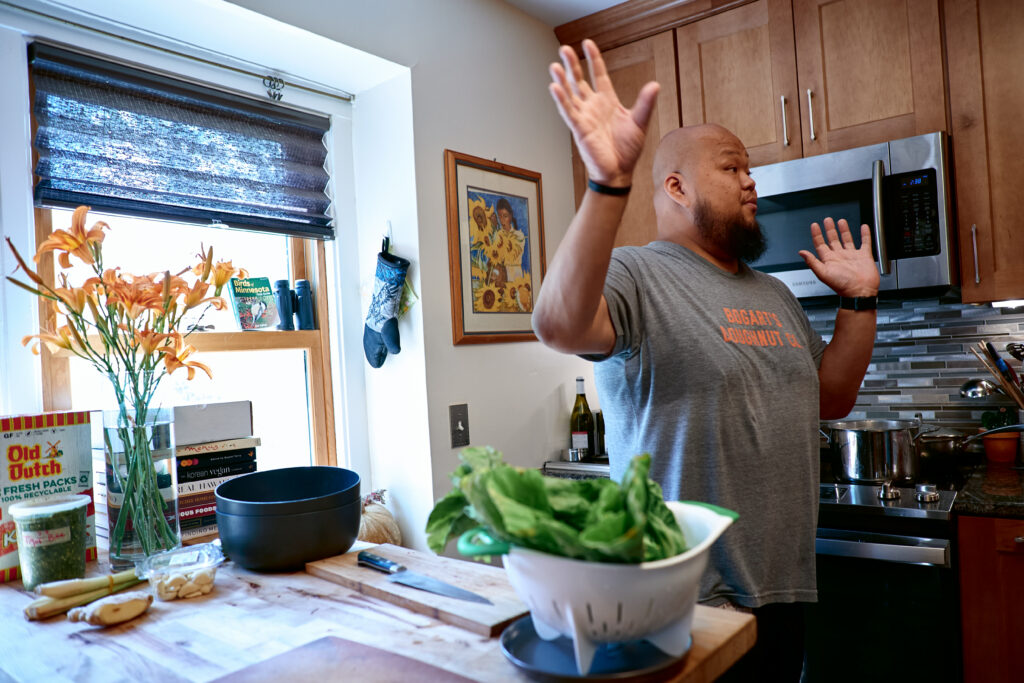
280	519
979	388
335	659
874	451
400	574
555	659
601	602
484	579
1016	350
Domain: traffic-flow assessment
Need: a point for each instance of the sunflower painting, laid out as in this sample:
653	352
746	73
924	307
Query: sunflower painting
499	235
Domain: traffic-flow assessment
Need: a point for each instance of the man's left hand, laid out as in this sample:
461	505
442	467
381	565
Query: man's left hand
848	270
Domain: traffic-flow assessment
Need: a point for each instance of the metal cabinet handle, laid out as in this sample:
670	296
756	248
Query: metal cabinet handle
1018	539
877	175
785	127
974	243
810	113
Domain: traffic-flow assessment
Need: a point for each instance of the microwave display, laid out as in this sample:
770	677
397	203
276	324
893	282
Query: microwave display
912	214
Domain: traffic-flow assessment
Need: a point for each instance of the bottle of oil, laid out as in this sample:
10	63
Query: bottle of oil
581	424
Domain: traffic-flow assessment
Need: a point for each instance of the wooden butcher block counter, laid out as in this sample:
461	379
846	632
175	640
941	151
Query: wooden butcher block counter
297	626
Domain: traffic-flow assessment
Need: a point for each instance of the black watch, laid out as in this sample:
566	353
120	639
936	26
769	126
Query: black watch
858	303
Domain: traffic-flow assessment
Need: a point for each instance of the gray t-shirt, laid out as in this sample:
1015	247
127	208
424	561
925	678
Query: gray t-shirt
715	375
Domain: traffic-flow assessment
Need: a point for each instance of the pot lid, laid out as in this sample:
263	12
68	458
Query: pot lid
943	433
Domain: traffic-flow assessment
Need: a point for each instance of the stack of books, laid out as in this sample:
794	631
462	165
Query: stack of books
202	467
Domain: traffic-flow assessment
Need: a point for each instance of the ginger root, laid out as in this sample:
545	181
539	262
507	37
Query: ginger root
115	609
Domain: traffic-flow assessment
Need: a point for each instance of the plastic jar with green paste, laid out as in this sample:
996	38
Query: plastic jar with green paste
51	538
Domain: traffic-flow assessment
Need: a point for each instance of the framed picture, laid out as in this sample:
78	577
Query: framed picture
495	248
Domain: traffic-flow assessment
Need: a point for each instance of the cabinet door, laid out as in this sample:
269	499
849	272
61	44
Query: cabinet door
738	69
992	597
873	69
630	67
986	97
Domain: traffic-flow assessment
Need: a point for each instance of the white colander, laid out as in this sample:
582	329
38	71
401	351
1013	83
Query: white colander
598	602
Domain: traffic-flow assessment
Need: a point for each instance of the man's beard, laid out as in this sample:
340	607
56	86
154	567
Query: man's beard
729	233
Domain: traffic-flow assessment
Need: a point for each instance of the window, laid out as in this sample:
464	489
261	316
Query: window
148	148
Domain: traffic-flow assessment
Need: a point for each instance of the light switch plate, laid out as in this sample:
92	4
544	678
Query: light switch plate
458	422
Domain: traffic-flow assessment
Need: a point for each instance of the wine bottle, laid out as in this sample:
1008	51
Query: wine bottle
581	423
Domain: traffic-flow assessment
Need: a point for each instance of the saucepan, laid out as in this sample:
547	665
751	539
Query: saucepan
891	451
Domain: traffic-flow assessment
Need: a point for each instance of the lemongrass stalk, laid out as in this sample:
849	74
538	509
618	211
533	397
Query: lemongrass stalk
65	589
47	607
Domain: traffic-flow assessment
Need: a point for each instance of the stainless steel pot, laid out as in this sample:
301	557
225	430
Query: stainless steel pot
873	451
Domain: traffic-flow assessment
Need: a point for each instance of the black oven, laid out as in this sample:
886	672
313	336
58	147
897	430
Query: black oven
888	597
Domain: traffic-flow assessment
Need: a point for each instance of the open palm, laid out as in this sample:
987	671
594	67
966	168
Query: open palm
847	269
609	136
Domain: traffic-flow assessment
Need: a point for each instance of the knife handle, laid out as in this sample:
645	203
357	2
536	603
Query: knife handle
368	559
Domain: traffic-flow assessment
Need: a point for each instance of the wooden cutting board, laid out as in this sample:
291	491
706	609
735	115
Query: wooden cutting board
487	581
335	659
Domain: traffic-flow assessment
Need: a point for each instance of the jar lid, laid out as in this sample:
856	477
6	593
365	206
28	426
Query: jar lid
44	507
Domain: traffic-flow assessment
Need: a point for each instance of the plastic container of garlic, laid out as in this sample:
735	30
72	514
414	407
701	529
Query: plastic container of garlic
185	572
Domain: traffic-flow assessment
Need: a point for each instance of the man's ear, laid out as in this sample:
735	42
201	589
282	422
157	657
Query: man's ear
677	189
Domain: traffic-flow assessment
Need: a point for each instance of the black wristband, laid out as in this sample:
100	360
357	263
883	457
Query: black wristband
608	189
858	303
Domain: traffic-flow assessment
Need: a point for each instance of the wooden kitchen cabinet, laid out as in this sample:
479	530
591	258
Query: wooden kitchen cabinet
738	69
991	597
630	67
873	69
984	51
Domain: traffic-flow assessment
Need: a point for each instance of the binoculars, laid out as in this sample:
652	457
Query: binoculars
294	303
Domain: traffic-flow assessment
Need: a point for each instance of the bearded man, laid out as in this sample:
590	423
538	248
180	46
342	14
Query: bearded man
708	365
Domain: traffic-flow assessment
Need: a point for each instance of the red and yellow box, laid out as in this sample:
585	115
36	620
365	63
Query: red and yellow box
42	456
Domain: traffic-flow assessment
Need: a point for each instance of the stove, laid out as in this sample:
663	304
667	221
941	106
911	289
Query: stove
925	501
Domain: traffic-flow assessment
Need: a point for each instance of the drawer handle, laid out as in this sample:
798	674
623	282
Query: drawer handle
974	243
1018	539
785	127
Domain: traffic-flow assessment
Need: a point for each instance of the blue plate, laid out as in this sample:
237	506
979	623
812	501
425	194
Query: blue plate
553	660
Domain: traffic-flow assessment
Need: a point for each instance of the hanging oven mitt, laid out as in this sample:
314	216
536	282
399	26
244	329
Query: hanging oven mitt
380	335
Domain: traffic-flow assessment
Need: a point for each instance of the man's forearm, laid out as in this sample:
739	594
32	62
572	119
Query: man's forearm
845	361
566	313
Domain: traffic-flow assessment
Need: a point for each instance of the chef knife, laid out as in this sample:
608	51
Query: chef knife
399	574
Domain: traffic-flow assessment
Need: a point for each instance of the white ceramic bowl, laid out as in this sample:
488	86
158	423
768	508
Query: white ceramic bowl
599	602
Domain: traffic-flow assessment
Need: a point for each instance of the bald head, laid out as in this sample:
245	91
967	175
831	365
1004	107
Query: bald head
682	149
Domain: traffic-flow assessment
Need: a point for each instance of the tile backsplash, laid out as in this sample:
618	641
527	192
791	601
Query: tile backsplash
922	356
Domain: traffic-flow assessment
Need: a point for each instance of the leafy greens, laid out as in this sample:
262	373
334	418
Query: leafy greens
597	520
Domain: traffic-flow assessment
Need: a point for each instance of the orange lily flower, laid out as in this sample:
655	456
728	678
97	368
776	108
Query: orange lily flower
176	357
74	298
76	240
148	341
136	295
224	271
63	338
194	297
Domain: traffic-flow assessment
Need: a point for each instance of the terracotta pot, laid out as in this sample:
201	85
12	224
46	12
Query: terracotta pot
1001	447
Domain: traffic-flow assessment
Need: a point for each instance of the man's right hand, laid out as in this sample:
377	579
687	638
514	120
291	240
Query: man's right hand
610	137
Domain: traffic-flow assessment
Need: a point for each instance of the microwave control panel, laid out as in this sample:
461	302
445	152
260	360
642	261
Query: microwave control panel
912	214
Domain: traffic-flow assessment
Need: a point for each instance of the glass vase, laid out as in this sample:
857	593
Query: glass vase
142	487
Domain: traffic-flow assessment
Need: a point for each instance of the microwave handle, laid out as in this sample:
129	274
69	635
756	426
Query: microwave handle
877	175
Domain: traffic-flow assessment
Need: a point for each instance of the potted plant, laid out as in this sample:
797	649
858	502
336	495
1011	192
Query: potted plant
1001	447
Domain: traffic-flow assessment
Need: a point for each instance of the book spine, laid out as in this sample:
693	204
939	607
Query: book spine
188	534
219	458
198	512
199	473
216	446
201	486
196	500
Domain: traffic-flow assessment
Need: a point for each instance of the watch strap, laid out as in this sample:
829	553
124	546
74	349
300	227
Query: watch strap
608	189
858	303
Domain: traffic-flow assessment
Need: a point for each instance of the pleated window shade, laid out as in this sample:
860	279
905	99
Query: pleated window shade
133	142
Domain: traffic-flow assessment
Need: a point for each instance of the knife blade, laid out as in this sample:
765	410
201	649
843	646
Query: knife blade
398	573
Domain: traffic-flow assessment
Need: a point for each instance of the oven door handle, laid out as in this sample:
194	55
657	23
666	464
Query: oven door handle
869	546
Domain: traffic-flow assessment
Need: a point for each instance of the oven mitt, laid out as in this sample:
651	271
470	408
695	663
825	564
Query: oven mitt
380	334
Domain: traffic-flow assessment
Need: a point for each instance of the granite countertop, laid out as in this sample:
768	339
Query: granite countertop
992	491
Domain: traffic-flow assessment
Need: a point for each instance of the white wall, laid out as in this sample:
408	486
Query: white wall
479	86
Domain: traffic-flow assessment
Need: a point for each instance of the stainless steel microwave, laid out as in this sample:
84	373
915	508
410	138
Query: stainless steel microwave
899	188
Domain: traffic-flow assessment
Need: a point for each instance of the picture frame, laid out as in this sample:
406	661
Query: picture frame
496	255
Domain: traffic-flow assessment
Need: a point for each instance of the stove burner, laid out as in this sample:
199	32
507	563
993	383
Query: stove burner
888	492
